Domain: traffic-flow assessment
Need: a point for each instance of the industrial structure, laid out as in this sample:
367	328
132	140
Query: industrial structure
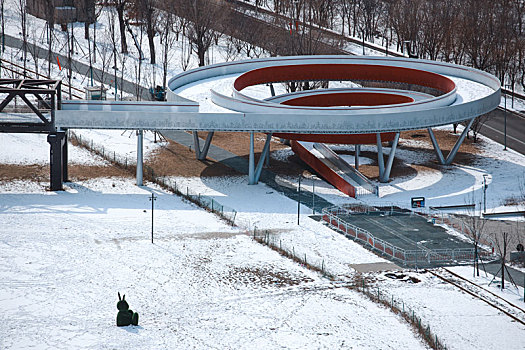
396	94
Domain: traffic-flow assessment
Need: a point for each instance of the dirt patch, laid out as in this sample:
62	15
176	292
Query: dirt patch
41	172
238	143
176	160
264	277
446	140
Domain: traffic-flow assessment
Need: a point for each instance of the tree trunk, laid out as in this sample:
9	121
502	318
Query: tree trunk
151	34
122	26
201	52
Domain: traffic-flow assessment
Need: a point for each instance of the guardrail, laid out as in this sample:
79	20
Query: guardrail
407	257
347	169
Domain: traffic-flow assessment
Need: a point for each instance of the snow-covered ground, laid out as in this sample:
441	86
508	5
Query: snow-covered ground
202	284
478	325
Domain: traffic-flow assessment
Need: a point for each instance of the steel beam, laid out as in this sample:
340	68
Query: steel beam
439	154
140	158
262	160
251	163
201	154
454	151
386	174
380	160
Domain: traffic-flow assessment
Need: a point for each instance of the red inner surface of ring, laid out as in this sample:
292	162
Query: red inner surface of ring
336	72
348	99
304	72
344	99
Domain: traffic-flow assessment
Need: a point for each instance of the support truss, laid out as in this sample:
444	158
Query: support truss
201	154
254	173
13	88
454	151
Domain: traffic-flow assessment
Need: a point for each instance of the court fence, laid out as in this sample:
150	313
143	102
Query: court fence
413	257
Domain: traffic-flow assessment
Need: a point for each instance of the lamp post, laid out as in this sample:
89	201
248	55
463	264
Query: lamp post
152	200
485	193
505	121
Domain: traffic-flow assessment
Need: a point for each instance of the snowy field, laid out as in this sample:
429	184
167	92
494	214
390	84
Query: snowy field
202	284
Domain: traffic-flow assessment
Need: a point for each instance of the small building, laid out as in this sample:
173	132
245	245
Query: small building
95	92
62	11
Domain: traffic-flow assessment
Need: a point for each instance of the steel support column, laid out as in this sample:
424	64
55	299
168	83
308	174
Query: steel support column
390	161
251	163
56	142
140	164
356	156
454	151
380	160
201	154
439	154
262	160
65	156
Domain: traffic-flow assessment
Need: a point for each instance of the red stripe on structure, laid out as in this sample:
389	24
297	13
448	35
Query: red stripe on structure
369	72
347	139
348	99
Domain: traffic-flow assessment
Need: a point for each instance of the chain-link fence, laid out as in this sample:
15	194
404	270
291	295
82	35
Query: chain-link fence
398	306
412	257
275	243
203	201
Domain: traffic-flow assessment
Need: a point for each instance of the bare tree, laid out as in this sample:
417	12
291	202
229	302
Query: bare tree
120	6
23	25
148	14
201	16
185	56
474	226
167	41
502	241
477	125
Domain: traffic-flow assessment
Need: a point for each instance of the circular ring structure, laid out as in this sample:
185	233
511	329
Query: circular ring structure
396	94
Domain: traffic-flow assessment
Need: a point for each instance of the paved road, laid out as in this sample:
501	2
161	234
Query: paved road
80	68
494	129
517	276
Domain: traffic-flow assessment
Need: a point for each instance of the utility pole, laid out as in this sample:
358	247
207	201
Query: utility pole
505	121
299	199
152	200
485	193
